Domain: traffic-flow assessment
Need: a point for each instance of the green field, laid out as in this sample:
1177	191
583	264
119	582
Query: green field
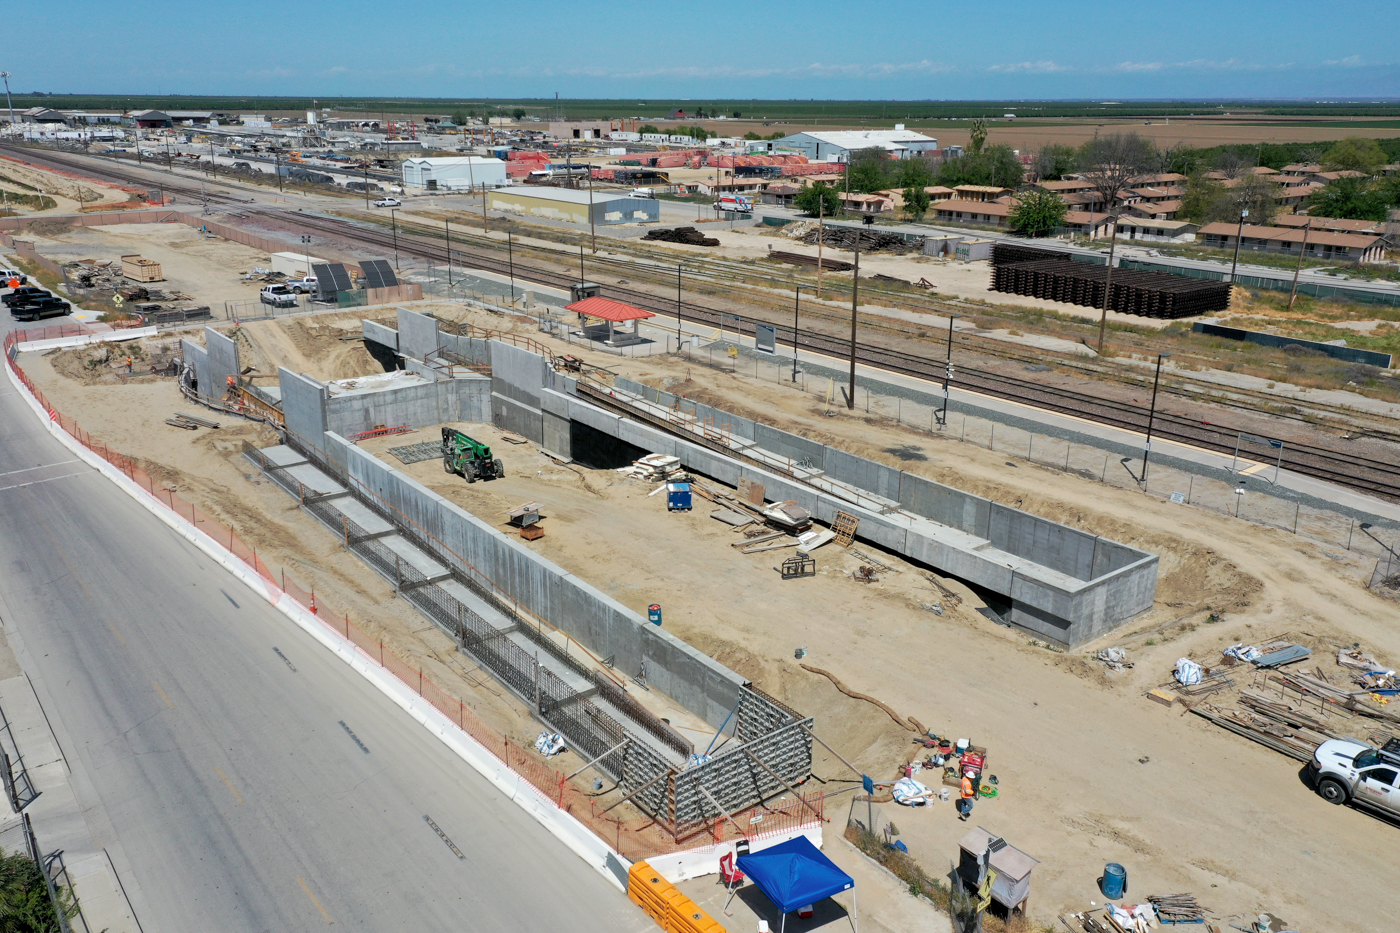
812	111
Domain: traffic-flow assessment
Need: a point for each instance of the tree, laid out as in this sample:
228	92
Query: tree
1210	201
1352	198
913	173
459	118
979	136
868	171
24	898
1181	159
810	200
1111	162
995	165
518	113
752	135
1235	161
737	114
647	128
1037	213
1355	154
1054	162
916	201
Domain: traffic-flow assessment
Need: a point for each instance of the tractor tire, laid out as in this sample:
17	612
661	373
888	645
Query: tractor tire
500	468
447	466
469	472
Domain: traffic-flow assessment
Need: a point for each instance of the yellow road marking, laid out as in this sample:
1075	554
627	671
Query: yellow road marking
229	784
313	900
116	633
162	695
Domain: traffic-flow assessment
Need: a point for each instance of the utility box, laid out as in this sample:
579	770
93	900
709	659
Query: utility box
581	290
678	497
141	270
973	250
986	856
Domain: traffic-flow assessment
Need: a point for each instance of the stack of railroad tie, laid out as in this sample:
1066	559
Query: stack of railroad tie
1145	294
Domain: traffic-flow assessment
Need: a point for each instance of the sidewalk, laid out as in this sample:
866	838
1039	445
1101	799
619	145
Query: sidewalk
68	830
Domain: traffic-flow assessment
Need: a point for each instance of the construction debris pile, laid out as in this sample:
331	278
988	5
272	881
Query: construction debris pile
657	468
871	241
688	236
1142	918
1292	711
103	275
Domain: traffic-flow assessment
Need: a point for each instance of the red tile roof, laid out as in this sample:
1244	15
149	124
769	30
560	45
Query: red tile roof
608	310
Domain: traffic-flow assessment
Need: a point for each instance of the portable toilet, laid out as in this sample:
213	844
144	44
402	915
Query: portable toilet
678	497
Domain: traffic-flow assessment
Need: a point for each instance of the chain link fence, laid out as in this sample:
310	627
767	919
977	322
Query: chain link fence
1249	492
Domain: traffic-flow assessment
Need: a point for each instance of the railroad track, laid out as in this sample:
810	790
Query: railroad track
44	158
1371	475
1367	474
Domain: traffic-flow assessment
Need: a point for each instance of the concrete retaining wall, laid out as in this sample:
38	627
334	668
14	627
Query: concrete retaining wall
198	357
466	398
380	334
303	404
223	362
597	621
418	334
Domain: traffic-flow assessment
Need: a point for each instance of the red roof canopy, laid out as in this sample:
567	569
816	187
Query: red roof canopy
608	310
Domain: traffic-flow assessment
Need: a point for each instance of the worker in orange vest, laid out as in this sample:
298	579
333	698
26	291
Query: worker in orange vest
128	364
969	794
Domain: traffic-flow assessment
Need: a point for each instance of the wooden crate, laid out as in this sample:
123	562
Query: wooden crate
142	270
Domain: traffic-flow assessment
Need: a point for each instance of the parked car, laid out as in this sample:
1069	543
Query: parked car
23	295
304	286
279	296
1346	771
388	202
8	275
41	308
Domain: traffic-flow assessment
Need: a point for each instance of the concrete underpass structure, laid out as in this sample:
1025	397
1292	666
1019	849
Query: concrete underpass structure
1062	584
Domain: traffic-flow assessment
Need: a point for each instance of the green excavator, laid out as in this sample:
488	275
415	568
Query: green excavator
468	458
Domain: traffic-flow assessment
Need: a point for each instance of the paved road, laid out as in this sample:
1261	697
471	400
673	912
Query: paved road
239	798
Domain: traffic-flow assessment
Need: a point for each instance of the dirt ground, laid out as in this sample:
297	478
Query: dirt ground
207	269
70	194
1090	771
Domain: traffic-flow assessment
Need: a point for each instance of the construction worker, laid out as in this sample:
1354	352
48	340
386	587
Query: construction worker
969	794
128	364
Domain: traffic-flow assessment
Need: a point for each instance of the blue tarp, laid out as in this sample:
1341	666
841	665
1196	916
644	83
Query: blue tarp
794	874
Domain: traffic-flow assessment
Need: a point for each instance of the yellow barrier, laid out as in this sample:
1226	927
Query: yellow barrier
664	903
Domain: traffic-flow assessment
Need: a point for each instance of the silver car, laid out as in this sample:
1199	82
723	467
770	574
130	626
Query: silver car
1347	771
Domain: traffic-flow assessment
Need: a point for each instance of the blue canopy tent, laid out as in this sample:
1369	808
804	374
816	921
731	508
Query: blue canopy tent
794	874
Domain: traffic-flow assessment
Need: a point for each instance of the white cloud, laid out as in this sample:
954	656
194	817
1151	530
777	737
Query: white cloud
1351	61
1028	68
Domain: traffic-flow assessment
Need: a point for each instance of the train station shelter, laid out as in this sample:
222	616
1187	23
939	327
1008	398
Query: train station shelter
600	316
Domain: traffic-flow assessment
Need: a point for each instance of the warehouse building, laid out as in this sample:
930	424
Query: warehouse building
454	172
838	146
575	206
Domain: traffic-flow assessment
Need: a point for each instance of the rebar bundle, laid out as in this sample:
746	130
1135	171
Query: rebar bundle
1145	294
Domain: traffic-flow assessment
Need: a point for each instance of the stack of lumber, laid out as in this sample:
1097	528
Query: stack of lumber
1342	697
1177	908
870	240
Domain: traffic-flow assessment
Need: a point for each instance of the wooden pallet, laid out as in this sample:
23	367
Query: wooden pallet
845	527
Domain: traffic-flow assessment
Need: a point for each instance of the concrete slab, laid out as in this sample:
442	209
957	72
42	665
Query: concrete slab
314	481
282	456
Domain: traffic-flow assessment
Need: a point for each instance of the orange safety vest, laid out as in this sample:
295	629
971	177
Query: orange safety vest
967	790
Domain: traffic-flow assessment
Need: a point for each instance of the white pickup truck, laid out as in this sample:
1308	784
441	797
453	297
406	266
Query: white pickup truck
279	296
1347	771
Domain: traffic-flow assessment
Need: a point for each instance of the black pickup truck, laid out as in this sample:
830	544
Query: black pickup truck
23	295
41	308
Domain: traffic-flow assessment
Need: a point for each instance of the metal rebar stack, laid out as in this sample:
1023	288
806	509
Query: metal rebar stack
1005	254
1145	294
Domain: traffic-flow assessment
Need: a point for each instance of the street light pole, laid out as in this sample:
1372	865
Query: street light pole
1151	416
510	257
366	168
678	308
394	219
11	103
796	301
447	228
1293	295
948	366
1239	235
855	299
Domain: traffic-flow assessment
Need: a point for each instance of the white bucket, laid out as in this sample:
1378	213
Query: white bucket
945	794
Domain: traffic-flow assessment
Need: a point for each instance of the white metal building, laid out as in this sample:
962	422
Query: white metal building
837	146
455	172
575	206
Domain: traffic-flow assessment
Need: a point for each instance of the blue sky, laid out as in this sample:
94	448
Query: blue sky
716	49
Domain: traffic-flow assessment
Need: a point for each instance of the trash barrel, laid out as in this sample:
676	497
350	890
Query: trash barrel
654	613
1114	881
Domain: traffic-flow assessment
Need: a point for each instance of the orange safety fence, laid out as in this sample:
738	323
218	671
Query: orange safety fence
633	838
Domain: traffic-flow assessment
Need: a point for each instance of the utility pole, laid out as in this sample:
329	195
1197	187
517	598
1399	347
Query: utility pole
1239	235
277	165
678	309
1293	295
796	301
592	228
948	367
855	299
306	244
8	101
1151	415
821	236
1108	279
394	219
447	228
366	168
510	256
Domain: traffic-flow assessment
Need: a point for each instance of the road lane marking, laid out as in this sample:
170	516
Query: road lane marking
162	695
44	466
288	661
115	632
229	784
350	732
313	900
51	479
443	836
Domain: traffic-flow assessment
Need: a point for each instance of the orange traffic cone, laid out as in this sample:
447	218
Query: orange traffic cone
313	604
